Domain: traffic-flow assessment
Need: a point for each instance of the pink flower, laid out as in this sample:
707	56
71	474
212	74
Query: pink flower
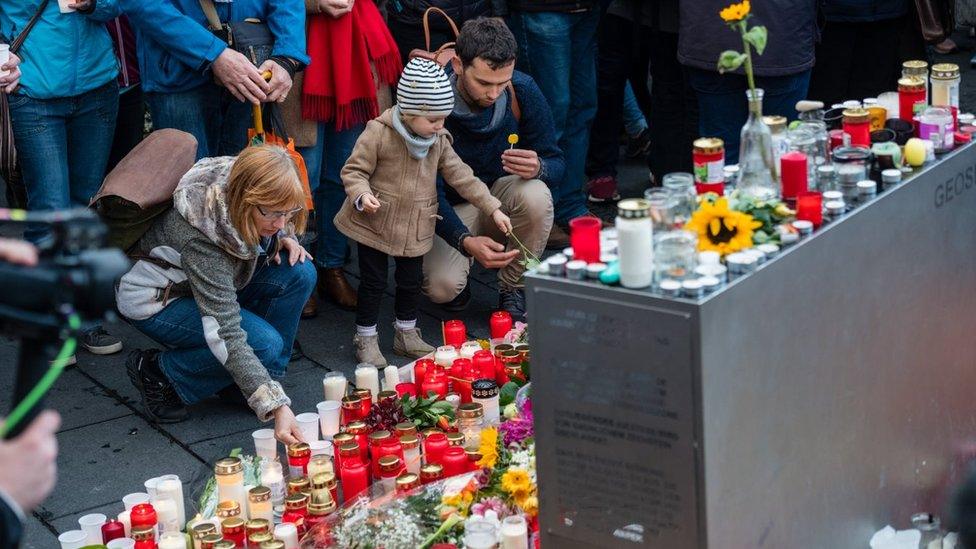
515	431
491	504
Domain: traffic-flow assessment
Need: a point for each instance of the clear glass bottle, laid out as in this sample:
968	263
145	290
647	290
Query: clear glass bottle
471	419
930	528
757	170
683	199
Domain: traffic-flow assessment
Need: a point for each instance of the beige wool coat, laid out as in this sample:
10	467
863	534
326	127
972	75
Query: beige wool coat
405	187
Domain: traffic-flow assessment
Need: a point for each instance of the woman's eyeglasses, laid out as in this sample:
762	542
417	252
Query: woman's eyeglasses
280	214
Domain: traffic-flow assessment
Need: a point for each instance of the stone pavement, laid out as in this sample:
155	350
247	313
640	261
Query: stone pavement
108	448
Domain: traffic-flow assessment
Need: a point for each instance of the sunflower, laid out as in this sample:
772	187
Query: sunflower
721	229
516	481
488	448
735	12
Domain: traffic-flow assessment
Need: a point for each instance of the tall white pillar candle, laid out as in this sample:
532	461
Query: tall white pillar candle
287	533
171	487
334	384
367	377
166	516
391	377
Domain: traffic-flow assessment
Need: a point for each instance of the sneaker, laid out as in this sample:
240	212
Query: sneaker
100	342
513	301
72	360
160	400
411	344
368	350
460	302
603	189
639	145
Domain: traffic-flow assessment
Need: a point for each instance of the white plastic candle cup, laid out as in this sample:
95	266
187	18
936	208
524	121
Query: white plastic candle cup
288	533
329	412
334	384
65	6
172	487
308	424
515	533
121	543
73	539
133	499
91	524
320	447
151	487
265	445
126	520
172	540
168	520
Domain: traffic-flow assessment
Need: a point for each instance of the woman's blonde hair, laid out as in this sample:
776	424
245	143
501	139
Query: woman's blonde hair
264	176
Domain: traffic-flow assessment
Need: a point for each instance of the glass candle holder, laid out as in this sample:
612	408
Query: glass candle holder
229	474
683	199
945	85
809	207
675	253
935	125
259	503
659	201
330	412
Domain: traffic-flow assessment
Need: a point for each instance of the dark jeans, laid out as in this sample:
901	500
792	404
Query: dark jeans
270	307
858	60
63	145
674	110
324	161
623	55
210	113
373	273
723	108
559	51
129	126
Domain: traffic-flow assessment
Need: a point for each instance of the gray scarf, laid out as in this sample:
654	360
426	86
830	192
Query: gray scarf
416	145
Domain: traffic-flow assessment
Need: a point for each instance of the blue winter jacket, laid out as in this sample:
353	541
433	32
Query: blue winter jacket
66	54
176	48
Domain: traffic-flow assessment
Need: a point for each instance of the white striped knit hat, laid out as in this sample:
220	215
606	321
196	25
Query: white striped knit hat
424	89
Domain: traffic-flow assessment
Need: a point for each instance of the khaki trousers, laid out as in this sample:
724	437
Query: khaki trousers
527	202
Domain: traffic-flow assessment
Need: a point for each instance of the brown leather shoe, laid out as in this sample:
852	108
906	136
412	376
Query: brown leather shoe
311	308
332	284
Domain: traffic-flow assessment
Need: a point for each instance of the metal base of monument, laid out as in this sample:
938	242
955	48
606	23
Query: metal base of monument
806	404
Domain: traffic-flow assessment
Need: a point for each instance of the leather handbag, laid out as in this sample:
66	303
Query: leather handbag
251	37
936	19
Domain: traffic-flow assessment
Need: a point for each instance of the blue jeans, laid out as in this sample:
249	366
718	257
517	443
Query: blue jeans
324	161
63	146
723	108
209	113
634	121
559	51
271	304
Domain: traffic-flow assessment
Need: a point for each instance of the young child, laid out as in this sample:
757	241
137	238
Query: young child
391	203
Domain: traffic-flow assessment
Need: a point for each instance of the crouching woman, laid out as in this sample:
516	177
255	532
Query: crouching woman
221	286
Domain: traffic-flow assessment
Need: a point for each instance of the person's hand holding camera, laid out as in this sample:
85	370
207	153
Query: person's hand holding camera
30	462
18	251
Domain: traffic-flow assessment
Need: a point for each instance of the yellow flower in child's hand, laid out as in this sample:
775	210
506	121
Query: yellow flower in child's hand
516	480
735	12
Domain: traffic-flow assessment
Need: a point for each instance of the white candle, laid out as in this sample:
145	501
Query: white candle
171	487
367	377
274	479
287	533
74	539
391	377
91	524
151	487
172	540
445	356
133	499
515	533
166	514
334	384
126	522
469	349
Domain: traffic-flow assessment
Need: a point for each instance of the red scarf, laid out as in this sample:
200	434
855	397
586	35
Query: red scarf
339	84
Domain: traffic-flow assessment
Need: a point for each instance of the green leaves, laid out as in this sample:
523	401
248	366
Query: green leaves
730	60
757	37
506	395
425	412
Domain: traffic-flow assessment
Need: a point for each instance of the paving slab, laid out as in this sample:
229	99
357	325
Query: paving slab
70	522
38	536
101	463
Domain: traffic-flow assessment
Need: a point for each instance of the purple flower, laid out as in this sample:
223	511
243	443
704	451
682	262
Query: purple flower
514	431
491	504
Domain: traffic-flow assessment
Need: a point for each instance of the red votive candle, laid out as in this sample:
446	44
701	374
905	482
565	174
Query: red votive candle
113	529
435	381
455	461
352	409
793	167
500	324
455	334
434	446
584	237
857	124
836	138
809	207
355	478
365	401
910	91
420	369
406	389
483	362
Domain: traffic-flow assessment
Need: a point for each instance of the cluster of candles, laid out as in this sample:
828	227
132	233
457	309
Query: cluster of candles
827	163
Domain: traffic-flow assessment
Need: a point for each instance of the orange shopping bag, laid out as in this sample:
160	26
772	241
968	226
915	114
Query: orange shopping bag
271	118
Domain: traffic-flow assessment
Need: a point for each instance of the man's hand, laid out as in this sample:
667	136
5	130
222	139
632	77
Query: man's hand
280	81
30	462
502	221
286	426
487	252
336	8
521	162
296	252
82	5
236	73
10	82
18	251
370	203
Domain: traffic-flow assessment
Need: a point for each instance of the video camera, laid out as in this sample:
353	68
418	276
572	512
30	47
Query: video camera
75	275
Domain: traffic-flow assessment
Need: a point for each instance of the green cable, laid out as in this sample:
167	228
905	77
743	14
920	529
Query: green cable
52	374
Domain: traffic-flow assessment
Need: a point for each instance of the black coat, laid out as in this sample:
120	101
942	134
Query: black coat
552	5
11	529
411	12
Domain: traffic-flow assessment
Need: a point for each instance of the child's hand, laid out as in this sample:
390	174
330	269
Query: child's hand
503	222
371	204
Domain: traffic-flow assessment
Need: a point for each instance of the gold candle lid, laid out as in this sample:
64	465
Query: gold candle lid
856	116
209	541
225	544
228	508
704	145
228	466
405	427
911	83
915	66
273	544
431	471
357	427
296	501
473	455
409	441
455	439
470	410
342	438
259	494
232	523
351	402
377	437
255	526
298	485
407	481
363	393
386	395
203	529
389	463
323	481
349	449
322	503
299	449
260	537
499	349
945	71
